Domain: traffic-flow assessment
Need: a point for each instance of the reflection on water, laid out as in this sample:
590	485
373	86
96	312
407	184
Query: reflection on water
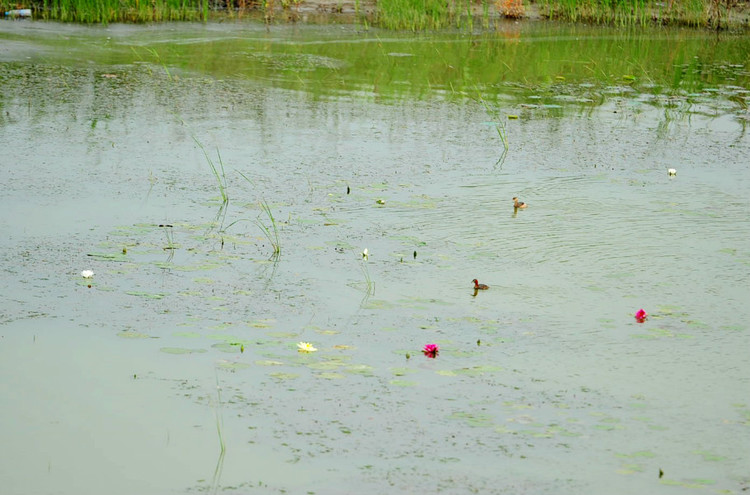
540	64
544	377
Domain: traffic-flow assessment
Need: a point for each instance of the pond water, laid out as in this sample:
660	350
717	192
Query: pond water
119	141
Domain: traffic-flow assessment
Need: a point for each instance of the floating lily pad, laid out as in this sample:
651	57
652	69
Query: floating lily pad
327	332
608	427
148	295
189	293
359	369
478	370
269	362
474	420
378	304
132	334
640	453
229	347
709	456
402	371
696	483
630	469
181	350
283	335
446	373
329	375
402	383
732	328
325	365
266	323
284	376
231	365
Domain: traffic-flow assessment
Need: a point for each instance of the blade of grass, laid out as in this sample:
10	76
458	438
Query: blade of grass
221	178
272	232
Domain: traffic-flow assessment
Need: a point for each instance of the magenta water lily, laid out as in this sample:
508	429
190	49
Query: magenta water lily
641	315
431	350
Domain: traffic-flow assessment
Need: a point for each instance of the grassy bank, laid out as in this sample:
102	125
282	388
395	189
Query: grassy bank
697	13
414	15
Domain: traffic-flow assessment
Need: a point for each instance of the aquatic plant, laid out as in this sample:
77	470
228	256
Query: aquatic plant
416	15
106	11
640	12
369	284
641	315
221	178
431	350
499	125
171	246
216	480
305	347
87	273
272	232
421	15
153	52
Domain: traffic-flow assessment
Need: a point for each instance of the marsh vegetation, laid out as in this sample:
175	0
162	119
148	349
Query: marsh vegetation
416	15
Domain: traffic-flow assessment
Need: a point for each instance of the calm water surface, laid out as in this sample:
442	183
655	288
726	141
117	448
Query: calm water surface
188	334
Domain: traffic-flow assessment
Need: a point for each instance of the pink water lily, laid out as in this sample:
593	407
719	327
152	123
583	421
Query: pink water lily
641	315
431	350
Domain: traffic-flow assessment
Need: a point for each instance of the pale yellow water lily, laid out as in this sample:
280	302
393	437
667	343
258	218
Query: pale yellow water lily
365	254
87	273
672	171
305	347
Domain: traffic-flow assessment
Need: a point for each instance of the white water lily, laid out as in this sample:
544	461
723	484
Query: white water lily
87	273
305	347
672	171
365	254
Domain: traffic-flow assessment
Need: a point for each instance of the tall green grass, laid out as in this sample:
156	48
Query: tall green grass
415	15
499	124
271	231
697	13
421	15
219	175
106	11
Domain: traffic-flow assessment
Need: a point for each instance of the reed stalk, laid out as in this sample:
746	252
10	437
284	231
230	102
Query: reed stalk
221	178
216	480
369	284
271	232
499	124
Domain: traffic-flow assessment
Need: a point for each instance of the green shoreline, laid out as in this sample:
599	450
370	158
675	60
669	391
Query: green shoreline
414	15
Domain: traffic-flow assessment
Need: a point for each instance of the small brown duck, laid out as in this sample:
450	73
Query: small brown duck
478	286
518	204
